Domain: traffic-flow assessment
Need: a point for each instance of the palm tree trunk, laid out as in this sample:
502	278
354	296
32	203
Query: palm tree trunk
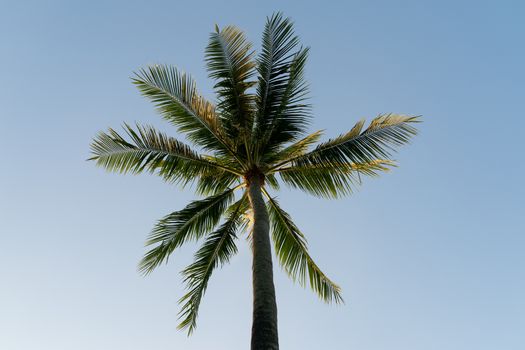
264	327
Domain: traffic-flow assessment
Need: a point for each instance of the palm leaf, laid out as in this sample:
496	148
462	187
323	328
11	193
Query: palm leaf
176	97
194	221
272	181
357	146
215	181
229	60
292	252
217	250
148	149
331	180
295	149
293	115
273	66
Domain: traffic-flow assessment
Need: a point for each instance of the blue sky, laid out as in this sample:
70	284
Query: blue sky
430	256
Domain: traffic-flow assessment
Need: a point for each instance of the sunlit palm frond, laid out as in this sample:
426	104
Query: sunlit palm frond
373	167
229	58
148	149
357	146
331	180
292	252
293	150
217	250
176	97
194	221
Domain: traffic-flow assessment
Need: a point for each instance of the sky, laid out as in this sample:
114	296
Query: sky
429	256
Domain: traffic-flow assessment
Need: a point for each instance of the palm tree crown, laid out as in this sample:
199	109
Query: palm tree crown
254	133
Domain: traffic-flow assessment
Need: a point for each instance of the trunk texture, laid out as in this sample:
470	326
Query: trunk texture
264	328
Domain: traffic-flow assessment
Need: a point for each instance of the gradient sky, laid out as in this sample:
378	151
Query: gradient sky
430	256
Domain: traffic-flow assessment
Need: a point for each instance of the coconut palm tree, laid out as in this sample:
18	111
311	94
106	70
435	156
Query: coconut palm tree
243	147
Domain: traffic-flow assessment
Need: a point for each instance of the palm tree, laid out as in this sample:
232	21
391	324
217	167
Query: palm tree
250	139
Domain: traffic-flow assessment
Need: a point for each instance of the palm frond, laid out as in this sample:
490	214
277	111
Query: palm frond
178	101
295	149
291	249
271	180
217	250
194	221
215	181
331	180
273	66
357	146
293	115
229	58
148	149
374	167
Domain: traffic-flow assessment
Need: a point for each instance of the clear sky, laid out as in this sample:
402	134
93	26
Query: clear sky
430	256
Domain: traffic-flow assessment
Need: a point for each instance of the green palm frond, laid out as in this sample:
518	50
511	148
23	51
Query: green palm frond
176	97
272	181
273	66
148	149
294	113
291	249
357	146
194	221
243	207
217	250
229	58
331	180
215	181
